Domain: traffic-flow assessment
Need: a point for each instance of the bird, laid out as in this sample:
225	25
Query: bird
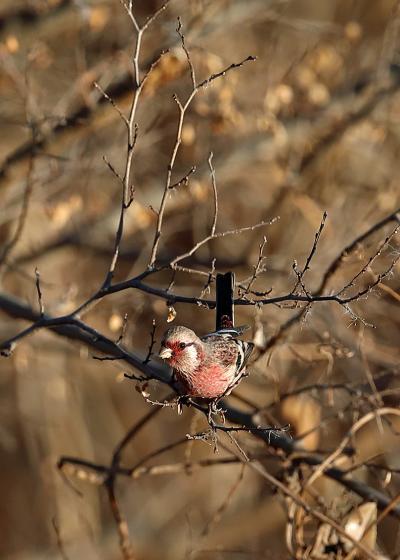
207	367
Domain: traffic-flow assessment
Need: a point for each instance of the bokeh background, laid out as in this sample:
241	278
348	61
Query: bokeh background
313	125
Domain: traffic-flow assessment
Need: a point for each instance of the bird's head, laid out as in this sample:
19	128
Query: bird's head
181	349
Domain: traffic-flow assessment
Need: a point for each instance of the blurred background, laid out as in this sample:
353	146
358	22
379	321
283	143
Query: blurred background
313	125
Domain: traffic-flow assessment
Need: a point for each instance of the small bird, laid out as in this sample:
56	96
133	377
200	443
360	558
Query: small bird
208	367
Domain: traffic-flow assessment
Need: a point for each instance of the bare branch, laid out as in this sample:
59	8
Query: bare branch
311	510
279	440
60	543
152	342
9	245
215	192
112	102
379	251
112	169
132	133
257	270
351	247
329	273
182	107
232	66
128	7
300	275
210	279
122	525
39	293
151	19
123	329
218	235
184	180
73	329
78	331
191	67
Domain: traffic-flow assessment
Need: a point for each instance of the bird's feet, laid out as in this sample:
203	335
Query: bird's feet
181	401
215	410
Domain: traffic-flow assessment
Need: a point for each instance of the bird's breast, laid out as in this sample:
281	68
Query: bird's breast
206	382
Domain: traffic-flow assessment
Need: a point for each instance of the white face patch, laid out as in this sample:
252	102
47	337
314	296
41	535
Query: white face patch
191	354
187	361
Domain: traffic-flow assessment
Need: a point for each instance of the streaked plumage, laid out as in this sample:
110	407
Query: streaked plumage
207	367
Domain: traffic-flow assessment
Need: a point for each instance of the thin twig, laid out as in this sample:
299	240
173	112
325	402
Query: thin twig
258	268
132	133
329	273
39	293
306	267
60	544
9	246
182	108
218	235
152	342
123	329
121	523
94	339
189	60
345	441
137	283
215	193
377	254
286	491
351	247
113	103
210	279
185	179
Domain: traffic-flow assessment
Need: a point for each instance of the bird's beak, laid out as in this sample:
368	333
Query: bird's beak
165	353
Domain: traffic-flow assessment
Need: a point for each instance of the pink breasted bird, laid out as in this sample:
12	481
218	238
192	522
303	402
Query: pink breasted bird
208	367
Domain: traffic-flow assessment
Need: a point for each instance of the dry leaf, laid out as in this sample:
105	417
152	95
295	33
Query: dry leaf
171	314
358	521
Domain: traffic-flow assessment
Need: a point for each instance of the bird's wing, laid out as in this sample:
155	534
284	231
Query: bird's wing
233	332
235	346
231	352
244	351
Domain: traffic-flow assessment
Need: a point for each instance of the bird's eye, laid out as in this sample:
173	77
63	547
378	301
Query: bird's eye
182	345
